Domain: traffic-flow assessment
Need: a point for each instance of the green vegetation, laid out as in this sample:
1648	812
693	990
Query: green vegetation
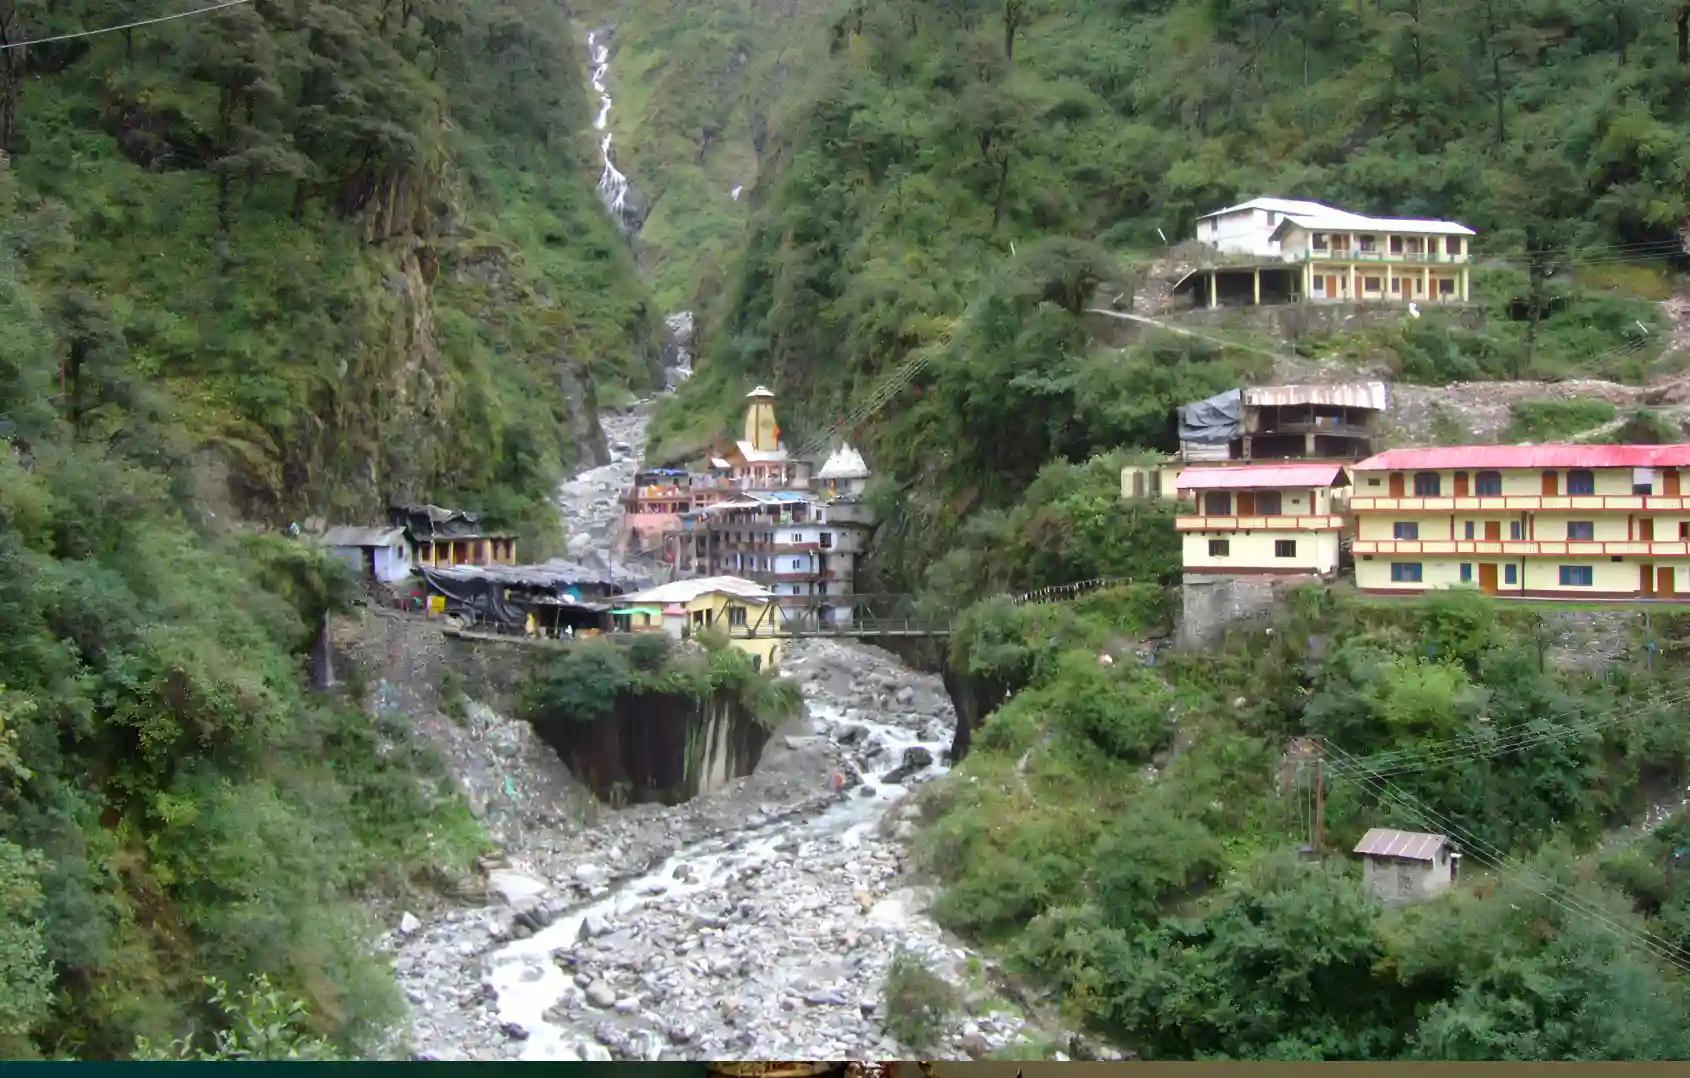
290	258
1167	904
583	683
917	1002
350	249
1556	420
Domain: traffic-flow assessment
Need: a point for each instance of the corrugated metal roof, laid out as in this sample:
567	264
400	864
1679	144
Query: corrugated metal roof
353	535
1258	476
685	591
1342	394
1528	456
1277	205
1407	845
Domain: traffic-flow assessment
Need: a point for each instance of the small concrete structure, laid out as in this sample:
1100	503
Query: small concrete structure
384	554
1400	867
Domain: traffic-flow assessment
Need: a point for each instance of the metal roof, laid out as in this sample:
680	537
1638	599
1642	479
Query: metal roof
1529	456
760	391
557	572
353	535
1405	845
753	455
685	591
1276	205
1343	394
1258	476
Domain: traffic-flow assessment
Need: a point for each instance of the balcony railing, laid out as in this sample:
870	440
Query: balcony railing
1314	522
1496	503
1353	254
1526	548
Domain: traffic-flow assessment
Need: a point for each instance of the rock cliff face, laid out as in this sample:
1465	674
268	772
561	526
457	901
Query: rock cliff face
660	747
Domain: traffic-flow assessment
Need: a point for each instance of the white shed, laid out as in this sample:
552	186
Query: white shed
384	553
1406	866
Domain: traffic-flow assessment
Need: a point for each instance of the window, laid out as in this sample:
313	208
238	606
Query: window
1371	284
1415	246
1452	245
1405	572
1467	530
827	540
1466	572
1426	484
1508	574
1581	481
1581	529
1217	503
1364	243
1487	483
1446	286
1218	548
1285	548
736	616
797	564
1396	245
1267	503
1318	241
1405	529
1514	531
1576	576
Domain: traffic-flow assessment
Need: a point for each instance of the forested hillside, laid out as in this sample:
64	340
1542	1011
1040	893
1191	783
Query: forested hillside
290	258
960	175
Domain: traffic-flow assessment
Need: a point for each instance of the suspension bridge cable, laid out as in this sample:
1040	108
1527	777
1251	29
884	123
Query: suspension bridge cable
124	26
1501	862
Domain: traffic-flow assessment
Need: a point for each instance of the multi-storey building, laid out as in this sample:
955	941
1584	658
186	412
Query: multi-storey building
1260	519
1553	521
762	516
1277	250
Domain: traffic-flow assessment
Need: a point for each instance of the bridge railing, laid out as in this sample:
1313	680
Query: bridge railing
1071	590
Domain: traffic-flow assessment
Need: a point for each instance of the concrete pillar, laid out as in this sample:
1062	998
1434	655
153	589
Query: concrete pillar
1388	280
1308	280
1256	283
1426	282
1464	284
1214	290
1354	294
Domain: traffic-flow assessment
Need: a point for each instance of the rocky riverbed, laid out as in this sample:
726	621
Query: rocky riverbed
755	922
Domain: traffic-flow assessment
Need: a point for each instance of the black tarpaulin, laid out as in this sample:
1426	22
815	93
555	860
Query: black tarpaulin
1218	419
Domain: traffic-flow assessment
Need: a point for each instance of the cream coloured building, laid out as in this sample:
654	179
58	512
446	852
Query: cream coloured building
1549	521
1290	250
1260	519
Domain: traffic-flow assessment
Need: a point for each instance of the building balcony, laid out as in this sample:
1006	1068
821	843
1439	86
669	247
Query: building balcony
1313	426
1316	522
1526	548
1527	503
1402	258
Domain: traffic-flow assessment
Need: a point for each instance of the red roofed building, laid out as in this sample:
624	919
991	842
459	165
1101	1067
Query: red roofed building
1550	521
1260	519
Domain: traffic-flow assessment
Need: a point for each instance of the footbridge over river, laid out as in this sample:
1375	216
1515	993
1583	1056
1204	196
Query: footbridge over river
872	616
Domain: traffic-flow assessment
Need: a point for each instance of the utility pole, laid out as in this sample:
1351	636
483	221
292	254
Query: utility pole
1319	800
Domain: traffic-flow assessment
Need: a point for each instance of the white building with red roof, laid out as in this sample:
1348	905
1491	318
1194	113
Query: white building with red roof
1544	521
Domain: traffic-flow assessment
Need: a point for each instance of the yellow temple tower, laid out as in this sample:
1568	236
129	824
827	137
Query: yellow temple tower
761	431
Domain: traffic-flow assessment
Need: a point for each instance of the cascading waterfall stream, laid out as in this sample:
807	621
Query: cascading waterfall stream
613	185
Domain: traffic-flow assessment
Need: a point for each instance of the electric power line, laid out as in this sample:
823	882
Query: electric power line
124	26
1504	865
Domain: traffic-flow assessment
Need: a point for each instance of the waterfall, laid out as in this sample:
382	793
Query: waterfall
613	185
678	348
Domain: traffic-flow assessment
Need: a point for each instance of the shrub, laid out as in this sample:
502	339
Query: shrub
917	1002
579	685
1121	710
1148	858
1555	420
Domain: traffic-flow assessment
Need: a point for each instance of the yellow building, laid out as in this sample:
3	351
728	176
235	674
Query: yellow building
746	611
1264	519
1549	521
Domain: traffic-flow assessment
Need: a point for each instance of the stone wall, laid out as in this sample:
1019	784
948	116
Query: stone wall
1211	603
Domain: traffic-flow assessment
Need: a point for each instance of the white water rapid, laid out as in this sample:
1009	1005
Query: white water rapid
613	185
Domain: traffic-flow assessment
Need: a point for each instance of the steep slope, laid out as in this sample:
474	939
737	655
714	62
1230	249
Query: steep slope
293	257
357	245
700	89
962	175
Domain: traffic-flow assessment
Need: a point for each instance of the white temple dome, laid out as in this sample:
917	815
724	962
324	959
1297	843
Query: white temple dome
845	463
